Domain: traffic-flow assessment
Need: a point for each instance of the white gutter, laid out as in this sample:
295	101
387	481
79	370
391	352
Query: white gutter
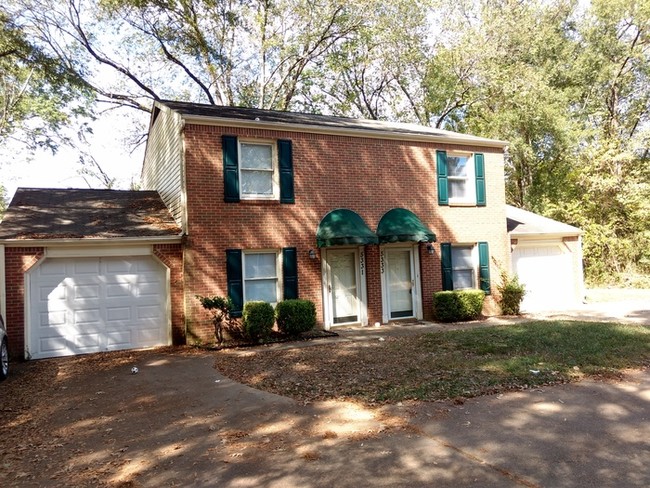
353	132
90	241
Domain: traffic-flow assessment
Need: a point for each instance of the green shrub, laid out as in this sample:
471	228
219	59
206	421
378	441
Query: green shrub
456	306
295	316
511	294
257	320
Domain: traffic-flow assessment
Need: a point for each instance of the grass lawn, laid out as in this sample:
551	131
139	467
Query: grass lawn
441	365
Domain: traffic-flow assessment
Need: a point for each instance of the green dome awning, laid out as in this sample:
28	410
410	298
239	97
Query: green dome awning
401	225
343	227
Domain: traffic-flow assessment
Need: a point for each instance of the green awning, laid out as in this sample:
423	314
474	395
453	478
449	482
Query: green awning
343	227
401	225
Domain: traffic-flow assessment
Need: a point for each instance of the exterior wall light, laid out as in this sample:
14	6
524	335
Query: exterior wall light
312	254
430	248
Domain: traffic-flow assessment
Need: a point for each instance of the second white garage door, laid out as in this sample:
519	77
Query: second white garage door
84	305
546	271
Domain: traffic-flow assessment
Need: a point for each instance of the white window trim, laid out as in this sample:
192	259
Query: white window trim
275	169
470	199
278	272
474	268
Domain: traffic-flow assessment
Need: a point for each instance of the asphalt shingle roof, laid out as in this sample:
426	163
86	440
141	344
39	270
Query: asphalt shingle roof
45	213
524	223
326	121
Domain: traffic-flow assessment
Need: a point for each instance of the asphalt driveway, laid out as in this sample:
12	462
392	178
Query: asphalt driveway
178	422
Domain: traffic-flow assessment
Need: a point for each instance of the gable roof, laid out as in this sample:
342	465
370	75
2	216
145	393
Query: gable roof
272	119
522	223
46	213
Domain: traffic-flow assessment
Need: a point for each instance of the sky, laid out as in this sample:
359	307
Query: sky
61	170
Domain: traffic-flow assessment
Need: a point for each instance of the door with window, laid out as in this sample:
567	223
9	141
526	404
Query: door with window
400	283
343	287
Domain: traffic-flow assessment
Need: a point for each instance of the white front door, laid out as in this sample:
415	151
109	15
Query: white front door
344	286
400	283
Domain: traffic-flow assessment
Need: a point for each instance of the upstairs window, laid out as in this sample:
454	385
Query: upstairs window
461	178
257	170
258	174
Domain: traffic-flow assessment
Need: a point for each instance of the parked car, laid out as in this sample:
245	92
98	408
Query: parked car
4	352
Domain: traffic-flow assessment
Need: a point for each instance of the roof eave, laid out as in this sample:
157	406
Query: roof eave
91	241
354	132
544	235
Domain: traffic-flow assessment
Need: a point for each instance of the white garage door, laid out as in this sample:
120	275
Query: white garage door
84	305
547	273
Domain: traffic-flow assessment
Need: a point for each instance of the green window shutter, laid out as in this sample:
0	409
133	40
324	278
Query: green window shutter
235	281
285	157
484	266
445	257
289	273
230	169
479	169
441	168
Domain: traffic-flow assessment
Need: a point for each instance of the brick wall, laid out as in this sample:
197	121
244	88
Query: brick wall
368	176
18	260
172	256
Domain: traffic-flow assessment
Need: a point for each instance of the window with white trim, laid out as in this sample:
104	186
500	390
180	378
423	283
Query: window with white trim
260	273
258	170
463	267
461	179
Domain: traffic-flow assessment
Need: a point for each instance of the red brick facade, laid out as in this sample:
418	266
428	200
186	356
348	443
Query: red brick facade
369	176
18	260
171	256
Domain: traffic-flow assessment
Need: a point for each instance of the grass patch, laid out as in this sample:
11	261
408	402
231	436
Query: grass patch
479	361
441	365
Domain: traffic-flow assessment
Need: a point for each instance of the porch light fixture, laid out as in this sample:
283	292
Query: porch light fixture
430	248
312	254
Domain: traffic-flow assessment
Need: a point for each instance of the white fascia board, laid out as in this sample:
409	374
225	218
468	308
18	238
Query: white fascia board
319	129
543	236
91	242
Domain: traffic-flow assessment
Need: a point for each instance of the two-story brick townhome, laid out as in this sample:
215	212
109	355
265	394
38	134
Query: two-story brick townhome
367	219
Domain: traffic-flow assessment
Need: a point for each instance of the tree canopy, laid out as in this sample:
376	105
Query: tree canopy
567	83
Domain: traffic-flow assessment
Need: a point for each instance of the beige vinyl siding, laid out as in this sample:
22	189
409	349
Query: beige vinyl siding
163	162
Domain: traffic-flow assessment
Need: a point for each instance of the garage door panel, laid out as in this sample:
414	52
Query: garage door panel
85	267
52	318
88	342
547	274
53	346
75	311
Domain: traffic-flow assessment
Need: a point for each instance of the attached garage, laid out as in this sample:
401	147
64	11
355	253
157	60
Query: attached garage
547	258
84	305
85	271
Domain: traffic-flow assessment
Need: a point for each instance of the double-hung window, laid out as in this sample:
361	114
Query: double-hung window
463	267
462	187
258	171
461	178
261	276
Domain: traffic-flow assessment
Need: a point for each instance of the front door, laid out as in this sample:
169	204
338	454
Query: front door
343	286
400	283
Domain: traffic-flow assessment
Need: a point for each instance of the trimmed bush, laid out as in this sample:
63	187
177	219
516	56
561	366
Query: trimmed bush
457	306
295	316
258	319
512	293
